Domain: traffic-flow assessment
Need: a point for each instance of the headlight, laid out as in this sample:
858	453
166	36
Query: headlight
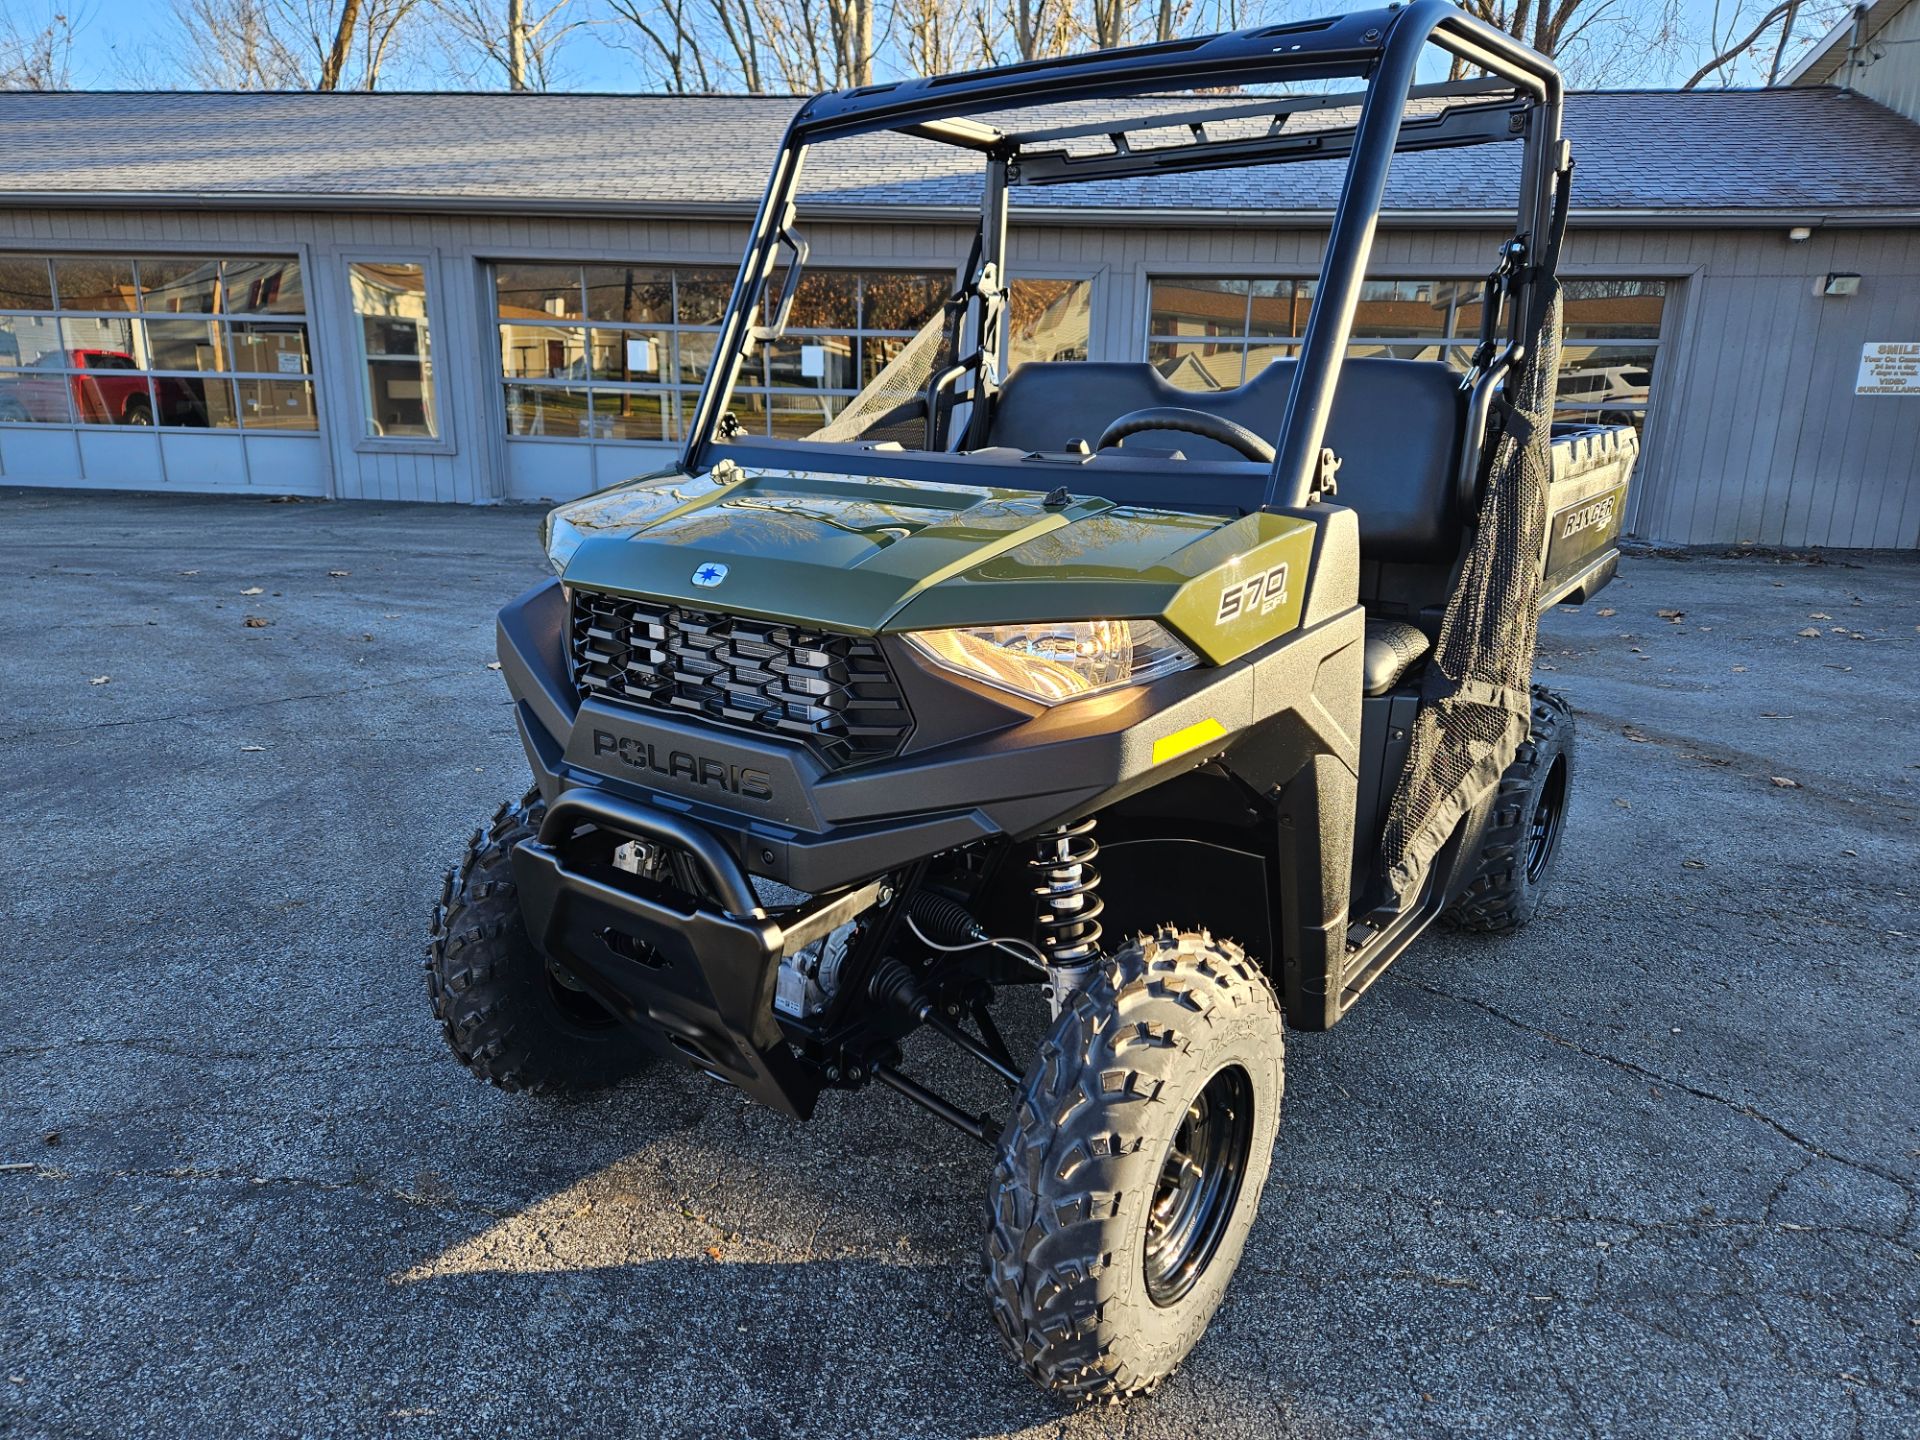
1057	660
561	537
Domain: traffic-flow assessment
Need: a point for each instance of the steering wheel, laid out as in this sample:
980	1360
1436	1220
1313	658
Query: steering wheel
1194	422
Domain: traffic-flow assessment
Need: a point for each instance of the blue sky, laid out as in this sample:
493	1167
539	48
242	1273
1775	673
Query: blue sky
133	44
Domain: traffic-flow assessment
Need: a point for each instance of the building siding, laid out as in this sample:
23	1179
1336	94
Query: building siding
1754	434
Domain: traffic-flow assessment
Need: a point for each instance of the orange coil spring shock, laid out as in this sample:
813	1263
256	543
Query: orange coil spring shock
1065	893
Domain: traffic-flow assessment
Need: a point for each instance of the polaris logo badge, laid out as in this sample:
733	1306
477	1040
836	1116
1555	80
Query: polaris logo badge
709	575
741	780
1258	596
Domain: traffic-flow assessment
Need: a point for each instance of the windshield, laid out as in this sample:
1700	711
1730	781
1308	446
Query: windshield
993	343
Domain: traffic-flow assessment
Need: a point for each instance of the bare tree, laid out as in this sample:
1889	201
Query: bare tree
1736	45
336	60
37	58
287	44
669	42
518	41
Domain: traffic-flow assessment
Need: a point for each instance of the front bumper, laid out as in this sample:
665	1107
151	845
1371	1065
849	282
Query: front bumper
782	815
694	979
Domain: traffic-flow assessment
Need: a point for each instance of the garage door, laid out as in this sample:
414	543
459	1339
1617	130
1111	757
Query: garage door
143	372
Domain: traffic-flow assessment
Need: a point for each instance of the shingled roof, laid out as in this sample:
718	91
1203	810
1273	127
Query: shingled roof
1657	153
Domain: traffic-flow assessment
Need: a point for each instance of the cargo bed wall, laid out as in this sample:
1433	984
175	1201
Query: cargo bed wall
1586	505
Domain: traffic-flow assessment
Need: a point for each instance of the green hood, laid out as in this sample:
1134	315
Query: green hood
871	556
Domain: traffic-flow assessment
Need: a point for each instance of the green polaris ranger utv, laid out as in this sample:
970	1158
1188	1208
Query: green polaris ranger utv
1190	705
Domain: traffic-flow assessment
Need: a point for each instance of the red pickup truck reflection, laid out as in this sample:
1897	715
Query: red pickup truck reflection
112	391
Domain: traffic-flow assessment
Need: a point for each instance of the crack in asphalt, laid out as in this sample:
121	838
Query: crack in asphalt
1909	1188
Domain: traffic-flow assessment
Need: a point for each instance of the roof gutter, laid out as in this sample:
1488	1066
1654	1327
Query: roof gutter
1082	217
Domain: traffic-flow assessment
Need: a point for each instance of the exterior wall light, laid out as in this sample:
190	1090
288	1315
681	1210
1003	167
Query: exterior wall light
1799	234
1838	283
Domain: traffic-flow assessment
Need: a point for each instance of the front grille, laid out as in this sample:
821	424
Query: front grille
835	692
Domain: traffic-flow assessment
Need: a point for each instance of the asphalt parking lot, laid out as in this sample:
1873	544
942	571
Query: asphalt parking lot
1648	1168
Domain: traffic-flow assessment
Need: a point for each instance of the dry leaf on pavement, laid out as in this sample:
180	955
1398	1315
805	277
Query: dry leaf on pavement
256	622
1784	783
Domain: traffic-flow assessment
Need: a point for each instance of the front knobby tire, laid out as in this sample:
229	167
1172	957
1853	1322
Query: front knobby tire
1130	1172
507	1015
1522	837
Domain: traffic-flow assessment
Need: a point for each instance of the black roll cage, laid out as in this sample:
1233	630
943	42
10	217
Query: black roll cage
1380	47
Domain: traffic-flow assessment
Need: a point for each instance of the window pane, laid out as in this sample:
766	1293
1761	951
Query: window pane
537	291
269	286
195	402
540	352
1279	308
1410	350
170	284
277	405
794	416
94	282
27	398
696	354
1259	357
623	415
184	345
702	295
641	356
546	410
749	408
1603	378
25	283
1613	309
112	395
1048	320
100	344
391	301
879	351
902	300
636	294
812	362
30	340
827	300
269	346
1195	305
1391	308
1196	366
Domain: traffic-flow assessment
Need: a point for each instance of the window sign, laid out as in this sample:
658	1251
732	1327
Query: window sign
640	357
813	362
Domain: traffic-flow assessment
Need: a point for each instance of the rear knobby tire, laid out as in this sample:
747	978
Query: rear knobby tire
509	1017
1176	1026
1523	832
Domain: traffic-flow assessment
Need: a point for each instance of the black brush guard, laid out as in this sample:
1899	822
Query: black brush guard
694	977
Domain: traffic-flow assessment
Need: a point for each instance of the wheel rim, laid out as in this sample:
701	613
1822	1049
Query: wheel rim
1544	831
576	1009
1199	1186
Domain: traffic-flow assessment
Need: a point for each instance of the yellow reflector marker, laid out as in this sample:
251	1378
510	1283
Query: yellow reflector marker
1168	747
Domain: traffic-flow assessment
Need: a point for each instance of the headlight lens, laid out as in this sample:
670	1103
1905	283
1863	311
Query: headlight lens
561	537
1057	660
